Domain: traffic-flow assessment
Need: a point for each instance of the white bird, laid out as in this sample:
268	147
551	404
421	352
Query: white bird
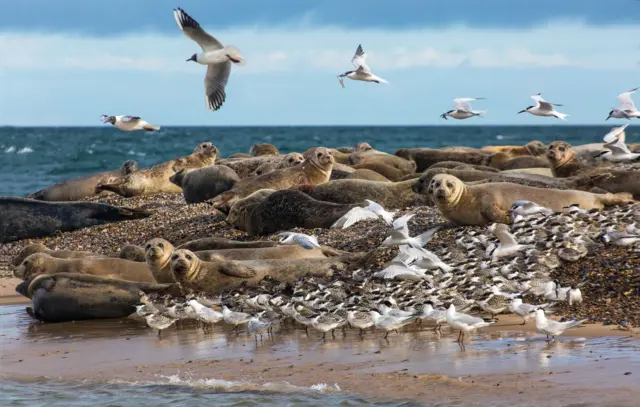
554	292
617	148
399	271
373	210
400	234
464	322
422	258
508	246
528	208
462	109
620	238
129	123
159	322
574	295
390	323
432	314
543	108
553	328
359	319
362	72
327	322
293	238
615	133
235	318
205	314
217	57
526	311
626	108
575	209
257	326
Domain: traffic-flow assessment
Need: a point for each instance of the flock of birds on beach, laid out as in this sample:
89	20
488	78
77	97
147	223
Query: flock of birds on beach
490	270
219	58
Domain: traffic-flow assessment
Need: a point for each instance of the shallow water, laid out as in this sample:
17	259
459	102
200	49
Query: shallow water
32	158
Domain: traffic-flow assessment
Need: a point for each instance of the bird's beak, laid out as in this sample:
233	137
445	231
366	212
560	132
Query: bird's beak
192	58
609	117
444	116
522	111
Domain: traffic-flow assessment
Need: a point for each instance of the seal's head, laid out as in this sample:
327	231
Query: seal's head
184	265
207	149
291	160
258	150
446	190
559	153
362	147
178	177
536	148
27	251
33	265
322	158
157	252
423	184
129	167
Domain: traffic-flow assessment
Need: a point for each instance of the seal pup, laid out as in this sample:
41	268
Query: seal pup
219	243
221	274
490	203
74	297
201	184
316	169
155	180
78	188
258	150
391	195
41	263
60	254
24	218
426	157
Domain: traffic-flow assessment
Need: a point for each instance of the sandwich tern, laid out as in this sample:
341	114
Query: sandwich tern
462	109
626	108
362	72
543	108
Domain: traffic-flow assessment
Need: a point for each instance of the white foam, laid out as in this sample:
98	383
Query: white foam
25	150
131	152
499	136
10	149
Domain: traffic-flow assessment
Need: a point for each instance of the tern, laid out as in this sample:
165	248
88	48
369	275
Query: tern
617	150
362	72
400	234
553	328
626	108
293	238
216	56
543	108
462	109
373	210
464	322
129	123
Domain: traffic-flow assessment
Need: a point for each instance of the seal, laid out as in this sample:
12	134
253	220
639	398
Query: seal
458	165
74	297
288	161
158	258
155	180
240	155
426	157
221	274
59	254
132	252
245	167
387	171
199	185
533	148
241	210
565	163
368	175
76	189
504	161
220	243
288	209
258	150
24	218
489	203
391	195
41	263
399	163
316	169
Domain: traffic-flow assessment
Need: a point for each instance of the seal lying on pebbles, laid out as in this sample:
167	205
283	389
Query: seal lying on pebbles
241	210
219	243
76	189
316	169
368	175
458	164
42	263
288	161
28	218
258	150
503	162
155	180
399	163
533	148
288	209
245	167
565	163
59	254
391	195
219	275
387	171
426	157
74	297
489	203
199	185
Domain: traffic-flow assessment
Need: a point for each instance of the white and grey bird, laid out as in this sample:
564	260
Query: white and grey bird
360	320
257	326
553	328
293	238
620	238
205	314
462	109
235	318
626	108
508	246
543	108
129	123
574	295
617	150
400	234
464	322
526	311
528	208
373	210
390	323
214	55
159	322
397	270
429	313
362	72
422	258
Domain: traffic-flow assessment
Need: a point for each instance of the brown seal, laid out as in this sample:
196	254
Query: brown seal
459	165
199	185
155	180
221	274
426	157
489	203
239	213
132	252
563	160
503	161
42	263
288	161
74	297
219	243
247	166
288	209
391	195
240	155
533	148
158	259
399	163
368	175
59	254
76	189
387	171
258	150
316	169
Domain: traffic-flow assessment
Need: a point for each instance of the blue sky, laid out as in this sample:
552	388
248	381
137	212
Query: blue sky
67	62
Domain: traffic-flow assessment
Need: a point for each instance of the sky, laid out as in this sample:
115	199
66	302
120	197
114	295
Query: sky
67	62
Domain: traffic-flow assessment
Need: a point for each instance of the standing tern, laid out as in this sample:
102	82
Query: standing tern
362	72
626	108
462	109
553	328
216	56
543	108
129	123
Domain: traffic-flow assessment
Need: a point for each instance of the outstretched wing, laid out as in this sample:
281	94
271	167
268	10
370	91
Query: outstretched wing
618	147
612	136
358	60
626	103
462	104
192	29
215	82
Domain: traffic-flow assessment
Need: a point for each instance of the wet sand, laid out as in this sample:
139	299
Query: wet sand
8	294
504	365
